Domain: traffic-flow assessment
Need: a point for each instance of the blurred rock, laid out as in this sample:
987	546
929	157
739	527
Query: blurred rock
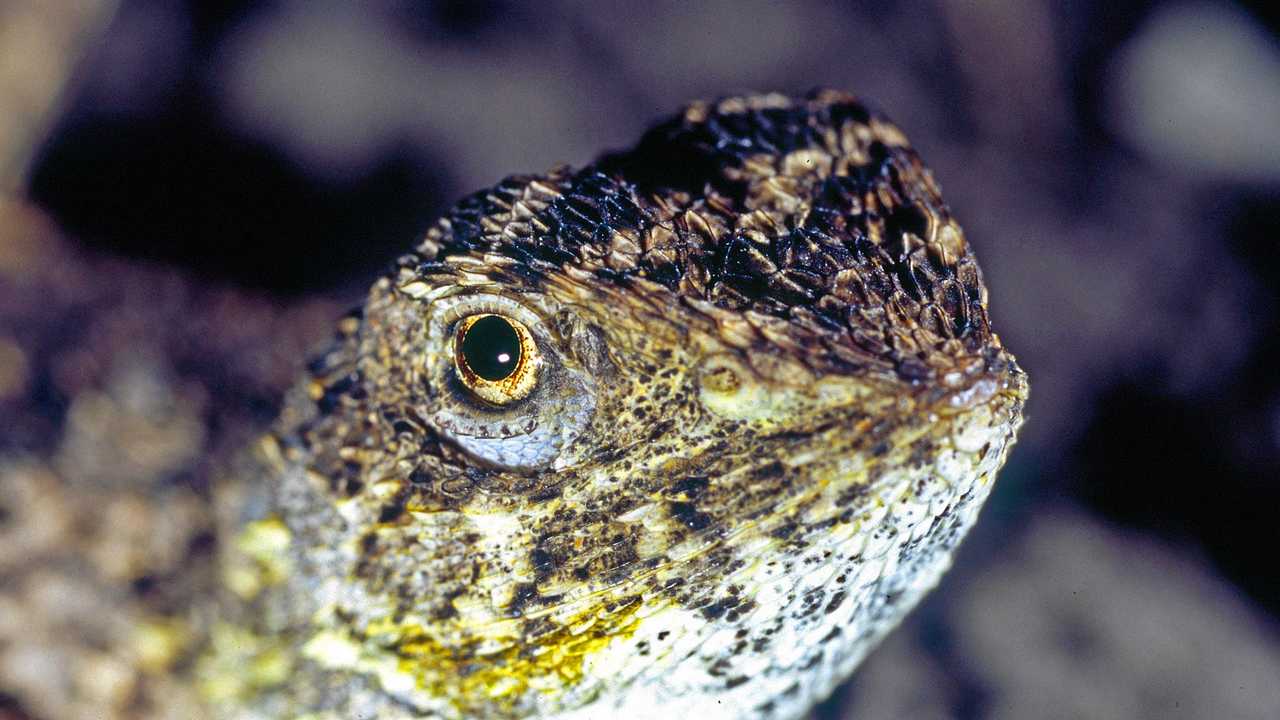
901	679
1199	89
146	49
1080	620
328	86
140	428
40	43
338	88
676	51
1008	54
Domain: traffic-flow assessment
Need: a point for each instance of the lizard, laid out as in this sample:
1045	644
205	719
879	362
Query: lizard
687	430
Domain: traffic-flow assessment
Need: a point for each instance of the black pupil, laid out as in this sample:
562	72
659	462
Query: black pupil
491	348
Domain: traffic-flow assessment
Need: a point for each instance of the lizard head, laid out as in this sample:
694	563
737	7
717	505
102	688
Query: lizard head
693	426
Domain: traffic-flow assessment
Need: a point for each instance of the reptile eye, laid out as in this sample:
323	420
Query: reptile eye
496	358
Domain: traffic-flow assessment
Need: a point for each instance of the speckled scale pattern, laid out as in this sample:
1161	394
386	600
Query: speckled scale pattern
796	408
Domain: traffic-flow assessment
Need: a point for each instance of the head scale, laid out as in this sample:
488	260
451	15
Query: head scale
766	403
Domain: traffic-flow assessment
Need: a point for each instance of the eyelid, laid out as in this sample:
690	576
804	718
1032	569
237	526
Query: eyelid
443	312
526	435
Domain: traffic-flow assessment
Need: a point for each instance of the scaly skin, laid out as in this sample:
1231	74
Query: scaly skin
770	405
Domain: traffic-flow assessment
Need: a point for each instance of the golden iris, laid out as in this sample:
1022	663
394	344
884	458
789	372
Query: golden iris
496	358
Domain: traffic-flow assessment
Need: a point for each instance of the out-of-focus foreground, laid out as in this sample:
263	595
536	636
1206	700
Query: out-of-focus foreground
1116	165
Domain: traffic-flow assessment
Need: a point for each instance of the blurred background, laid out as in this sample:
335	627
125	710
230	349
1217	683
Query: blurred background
1116	165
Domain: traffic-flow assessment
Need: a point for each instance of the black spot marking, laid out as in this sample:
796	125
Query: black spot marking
717	609
394	509
523	595
543	563
333	392
689	516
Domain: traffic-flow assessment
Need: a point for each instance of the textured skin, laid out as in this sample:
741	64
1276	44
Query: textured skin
772	406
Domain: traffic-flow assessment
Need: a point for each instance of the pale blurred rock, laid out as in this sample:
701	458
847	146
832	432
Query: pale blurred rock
1199	89
339	88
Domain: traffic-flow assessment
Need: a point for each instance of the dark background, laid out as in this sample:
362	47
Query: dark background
1116	165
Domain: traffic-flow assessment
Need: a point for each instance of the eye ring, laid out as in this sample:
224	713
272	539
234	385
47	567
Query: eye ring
496	358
